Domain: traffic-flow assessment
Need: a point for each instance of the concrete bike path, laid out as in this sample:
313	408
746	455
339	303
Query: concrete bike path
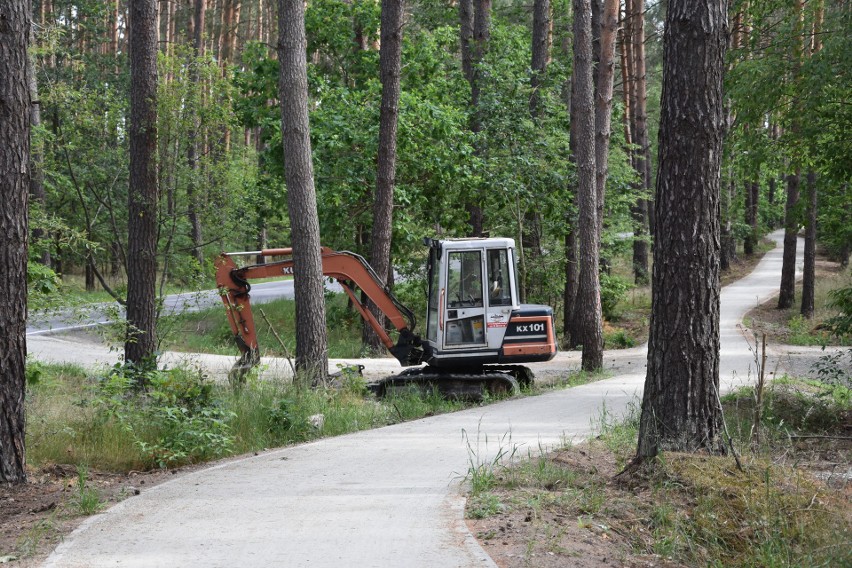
380	498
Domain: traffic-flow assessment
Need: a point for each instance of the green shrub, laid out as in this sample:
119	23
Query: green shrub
841	325
613	290
175	421
619	340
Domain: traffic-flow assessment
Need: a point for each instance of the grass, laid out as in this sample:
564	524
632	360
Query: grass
686	509
86	500
99	421
208	331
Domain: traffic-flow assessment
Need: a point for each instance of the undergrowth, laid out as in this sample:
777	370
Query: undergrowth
104	421
692	509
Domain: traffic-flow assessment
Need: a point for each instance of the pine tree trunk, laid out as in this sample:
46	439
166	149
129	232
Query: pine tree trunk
603	102
752	190
679	407
479	45
729	244
141	342
390	63
787	294
311	338
639	209
530	233
569	296
640	115
587	307
192	146
36	173
14	188
809	271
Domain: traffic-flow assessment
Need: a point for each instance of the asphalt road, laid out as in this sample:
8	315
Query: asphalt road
384	498
59	321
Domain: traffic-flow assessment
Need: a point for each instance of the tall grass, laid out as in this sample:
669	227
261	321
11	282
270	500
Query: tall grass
99	420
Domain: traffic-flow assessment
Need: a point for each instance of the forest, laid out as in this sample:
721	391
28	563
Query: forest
219	161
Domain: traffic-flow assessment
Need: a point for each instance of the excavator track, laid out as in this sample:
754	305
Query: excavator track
495	381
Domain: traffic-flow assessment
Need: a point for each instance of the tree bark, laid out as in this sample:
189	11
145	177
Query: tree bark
787	294
311	338
640	112
36	172
390	63
603	102
809	271
752	193
466	38
14	192
530	222
587	312
192	146
679	407
141	341
540	51
480	40
569	296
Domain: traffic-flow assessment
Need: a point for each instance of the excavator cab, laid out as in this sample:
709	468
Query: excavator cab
474	314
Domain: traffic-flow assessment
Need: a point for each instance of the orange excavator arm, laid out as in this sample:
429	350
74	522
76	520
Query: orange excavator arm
349	269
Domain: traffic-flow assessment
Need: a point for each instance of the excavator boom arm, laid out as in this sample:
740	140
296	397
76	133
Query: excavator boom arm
348	268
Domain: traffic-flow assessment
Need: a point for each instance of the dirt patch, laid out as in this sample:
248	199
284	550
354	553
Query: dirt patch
37	515
564	526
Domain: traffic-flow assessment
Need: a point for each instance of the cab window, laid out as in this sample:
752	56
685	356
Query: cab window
464	279
499	291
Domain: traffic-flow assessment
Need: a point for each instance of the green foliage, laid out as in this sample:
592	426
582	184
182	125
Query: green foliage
42	286
841	325
613	290
619	339
175	421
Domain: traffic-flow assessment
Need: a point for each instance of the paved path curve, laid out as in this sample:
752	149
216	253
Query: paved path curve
382	498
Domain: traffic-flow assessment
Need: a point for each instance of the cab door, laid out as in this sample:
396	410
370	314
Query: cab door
500	300
464	301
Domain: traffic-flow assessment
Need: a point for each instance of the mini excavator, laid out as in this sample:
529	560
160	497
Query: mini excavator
477	331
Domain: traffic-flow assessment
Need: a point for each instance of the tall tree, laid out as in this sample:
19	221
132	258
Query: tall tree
194	133
587	305
311	337
809	269
390	63
640	110
752	195
639	209
787	294
14	189
530	235
37	191
143	194
479	47
603	102
679	406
